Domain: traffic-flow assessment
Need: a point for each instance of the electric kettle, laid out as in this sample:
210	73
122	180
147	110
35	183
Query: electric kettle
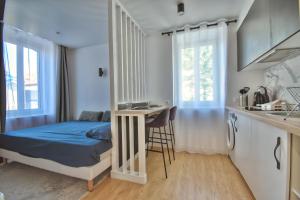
261	96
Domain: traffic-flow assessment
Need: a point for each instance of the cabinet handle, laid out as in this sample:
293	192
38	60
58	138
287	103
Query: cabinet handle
275	150
235	119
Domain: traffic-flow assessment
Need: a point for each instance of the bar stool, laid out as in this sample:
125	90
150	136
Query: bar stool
171	120
161	121
171	129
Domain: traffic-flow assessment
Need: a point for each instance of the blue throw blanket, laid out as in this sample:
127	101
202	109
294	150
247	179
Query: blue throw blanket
100	133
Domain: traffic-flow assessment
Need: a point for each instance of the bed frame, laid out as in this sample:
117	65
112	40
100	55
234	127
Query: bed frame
85	173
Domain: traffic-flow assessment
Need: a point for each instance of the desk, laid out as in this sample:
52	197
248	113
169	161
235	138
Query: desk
128	171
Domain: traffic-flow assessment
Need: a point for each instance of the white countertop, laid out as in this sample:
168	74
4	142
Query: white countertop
290	125
141	112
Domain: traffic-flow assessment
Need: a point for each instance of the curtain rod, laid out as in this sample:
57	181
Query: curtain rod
198	27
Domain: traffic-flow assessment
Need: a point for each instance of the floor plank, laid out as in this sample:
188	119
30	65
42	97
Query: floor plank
191	177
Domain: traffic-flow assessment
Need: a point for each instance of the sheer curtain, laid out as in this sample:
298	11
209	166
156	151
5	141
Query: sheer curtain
199	81
31	74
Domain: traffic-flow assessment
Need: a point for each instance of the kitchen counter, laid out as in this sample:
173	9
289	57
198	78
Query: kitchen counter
290	125
141	111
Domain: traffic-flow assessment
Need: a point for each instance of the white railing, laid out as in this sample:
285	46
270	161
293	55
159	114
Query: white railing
126	169
128	83
133	167
128	56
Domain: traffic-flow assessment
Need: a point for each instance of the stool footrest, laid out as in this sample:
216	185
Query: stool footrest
154	151
155	141
151	139
162	133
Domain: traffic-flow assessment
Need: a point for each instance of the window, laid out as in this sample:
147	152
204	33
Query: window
199	68
197	74
10	62
23	80
31	70
31	91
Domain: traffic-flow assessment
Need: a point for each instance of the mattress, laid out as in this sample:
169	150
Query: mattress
65	143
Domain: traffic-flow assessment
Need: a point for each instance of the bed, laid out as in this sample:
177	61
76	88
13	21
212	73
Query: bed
79	149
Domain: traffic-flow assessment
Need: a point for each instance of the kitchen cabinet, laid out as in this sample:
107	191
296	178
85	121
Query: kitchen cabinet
254	157
242	144
284	18
268	181
267	24
254	35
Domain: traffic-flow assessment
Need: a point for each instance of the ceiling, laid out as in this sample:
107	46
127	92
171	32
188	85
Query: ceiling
79	23
160	15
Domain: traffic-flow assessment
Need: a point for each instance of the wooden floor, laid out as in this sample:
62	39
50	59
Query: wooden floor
191	177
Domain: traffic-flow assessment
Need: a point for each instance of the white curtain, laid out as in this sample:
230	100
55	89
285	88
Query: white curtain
199	81
31	69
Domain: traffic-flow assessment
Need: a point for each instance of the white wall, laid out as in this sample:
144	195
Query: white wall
284	75
88	90
159	64
237	80
244	11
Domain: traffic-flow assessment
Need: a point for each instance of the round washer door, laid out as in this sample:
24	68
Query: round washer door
230	135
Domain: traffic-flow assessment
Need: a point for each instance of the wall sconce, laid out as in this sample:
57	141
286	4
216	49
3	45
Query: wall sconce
100	72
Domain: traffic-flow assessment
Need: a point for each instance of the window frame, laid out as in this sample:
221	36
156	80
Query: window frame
31	45
216	75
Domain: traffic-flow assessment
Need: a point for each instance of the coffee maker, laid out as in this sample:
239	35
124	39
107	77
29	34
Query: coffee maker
244	97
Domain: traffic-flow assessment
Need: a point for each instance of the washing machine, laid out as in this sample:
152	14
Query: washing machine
231	135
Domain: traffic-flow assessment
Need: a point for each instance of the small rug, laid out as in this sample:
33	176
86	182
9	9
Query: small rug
22	182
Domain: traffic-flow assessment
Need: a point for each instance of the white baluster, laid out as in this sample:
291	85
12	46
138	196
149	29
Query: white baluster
124	145
131	139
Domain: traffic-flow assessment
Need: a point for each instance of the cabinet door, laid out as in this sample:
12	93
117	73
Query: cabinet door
254	35
242	145
284	19
266	181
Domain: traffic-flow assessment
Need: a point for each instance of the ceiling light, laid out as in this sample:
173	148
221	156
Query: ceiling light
180	9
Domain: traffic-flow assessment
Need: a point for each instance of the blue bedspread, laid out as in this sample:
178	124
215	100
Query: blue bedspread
65	143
